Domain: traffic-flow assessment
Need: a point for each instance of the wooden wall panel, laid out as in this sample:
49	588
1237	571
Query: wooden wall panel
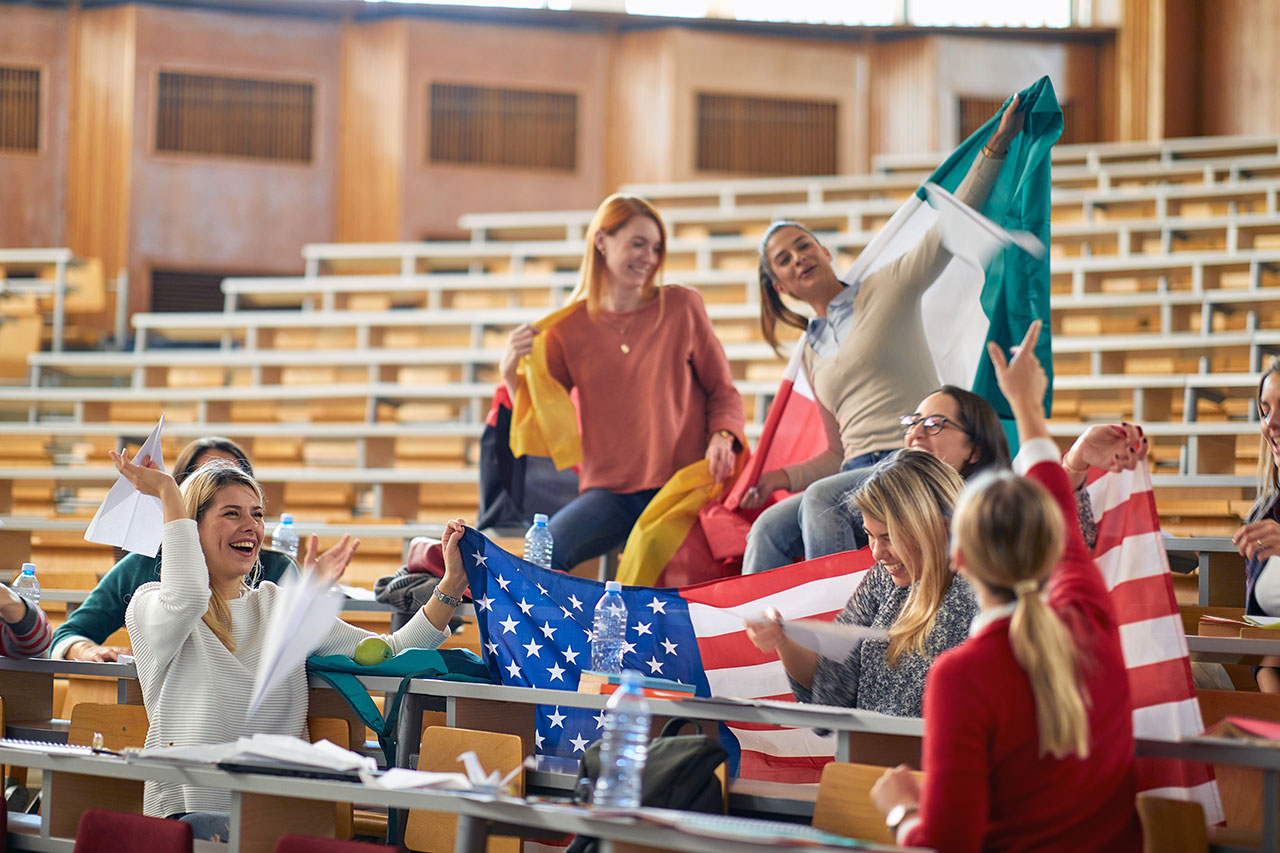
904	97
1180	70
576	61
1240	66
372	147
214	213
641	135
34	38
99	173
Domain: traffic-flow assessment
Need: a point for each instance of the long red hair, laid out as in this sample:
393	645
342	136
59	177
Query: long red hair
613	213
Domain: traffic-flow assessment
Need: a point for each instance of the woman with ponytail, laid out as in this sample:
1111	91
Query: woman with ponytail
1028	739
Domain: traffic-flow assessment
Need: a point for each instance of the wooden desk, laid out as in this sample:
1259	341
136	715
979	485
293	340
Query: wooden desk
1231	649
259	814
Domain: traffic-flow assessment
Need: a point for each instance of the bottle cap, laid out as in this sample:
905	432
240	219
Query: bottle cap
286	518
539	518
613	586
28	568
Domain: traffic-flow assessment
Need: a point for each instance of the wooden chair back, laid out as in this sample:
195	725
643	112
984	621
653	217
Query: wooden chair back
120	725
1172	826
433	832
844	802
337	732
1239	787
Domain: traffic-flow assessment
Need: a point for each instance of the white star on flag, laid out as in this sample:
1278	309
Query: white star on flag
513	669
654	665
548	631
481	559
628	648
532	648
485	603
556	673
643	628
492	648
579	743
503	582
542	589
657	606
555	718
577	605
600	719
537	739
566	612
525	607
669	646
571	656
508	625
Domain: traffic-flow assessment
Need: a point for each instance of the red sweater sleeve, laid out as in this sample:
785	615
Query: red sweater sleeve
954	798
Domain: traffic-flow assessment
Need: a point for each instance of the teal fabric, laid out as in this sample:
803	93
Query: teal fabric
340	672
1017	286
102	613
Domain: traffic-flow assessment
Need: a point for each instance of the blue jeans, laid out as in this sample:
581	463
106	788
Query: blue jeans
812	524
594	523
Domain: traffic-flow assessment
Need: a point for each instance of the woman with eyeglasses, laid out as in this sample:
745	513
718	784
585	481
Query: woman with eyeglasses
866	358
911	592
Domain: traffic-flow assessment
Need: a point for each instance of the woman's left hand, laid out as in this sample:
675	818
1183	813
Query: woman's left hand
1258	540
455	575
720	454
329	566
897	787
1110	447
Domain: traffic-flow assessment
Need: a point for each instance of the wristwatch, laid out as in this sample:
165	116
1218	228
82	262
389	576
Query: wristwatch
898	814
447	599
727	434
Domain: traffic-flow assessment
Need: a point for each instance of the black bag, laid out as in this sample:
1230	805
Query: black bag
511	489
679	773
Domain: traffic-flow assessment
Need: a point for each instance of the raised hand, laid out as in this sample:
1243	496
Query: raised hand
1111	447
148	479
1011	122
1022	379
329	566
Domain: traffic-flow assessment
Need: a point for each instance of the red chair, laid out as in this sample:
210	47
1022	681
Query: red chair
103	831
308	844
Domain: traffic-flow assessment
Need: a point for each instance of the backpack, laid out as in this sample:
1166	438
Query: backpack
679	773
340	671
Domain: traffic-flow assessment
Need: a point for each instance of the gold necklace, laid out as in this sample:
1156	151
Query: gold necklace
622	335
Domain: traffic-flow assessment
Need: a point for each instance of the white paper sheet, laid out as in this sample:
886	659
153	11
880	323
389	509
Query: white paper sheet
127	518
303	614
831	640
968	234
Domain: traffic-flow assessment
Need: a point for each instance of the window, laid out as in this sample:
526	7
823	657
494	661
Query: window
766	136
502	127
19	109
235	117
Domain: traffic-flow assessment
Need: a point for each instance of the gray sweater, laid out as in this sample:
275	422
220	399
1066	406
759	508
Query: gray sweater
865	680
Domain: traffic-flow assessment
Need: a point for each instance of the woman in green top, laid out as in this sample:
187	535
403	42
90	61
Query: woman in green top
81	636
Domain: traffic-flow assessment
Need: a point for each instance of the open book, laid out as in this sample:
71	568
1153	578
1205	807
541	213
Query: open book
1246	728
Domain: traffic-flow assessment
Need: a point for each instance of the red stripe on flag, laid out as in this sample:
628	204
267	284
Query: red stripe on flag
1132	517
1160	683
775	768
734	592
1144	598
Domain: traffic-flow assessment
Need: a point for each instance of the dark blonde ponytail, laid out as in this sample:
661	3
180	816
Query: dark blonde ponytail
1010	532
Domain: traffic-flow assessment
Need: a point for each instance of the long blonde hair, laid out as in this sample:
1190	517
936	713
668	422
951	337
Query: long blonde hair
1010	534
198	493
1268	474
614	213
913	494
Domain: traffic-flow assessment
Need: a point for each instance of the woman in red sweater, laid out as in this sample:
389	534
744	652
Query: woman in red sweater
655	392
1028	726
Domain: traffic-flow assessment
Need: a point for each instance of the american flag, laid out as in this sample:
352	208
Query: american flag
1130	554
536	624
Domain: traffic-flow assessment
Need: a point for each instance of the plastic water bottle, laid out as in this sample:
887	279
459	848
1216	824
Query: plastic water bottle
609	630
26	585
537	542
625	746
285	537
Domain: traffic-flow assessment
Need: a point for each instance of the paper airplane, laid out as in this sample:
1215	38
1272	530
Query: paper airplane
302	615
127	518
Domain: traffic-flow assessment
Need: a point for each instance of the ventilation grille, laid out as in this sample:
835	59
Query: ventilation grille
502	127
19	109
766	136
235	117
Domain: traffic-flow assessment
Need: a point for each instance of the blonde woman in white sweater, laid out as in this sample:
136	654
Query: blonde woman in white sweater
197	633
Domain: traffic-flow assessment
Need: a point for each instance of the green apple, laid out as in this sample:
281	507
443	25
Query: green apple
372	651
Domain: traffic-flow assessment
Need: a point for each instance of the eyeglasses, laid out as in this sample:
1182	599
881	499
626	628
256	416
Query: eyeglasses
931	424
